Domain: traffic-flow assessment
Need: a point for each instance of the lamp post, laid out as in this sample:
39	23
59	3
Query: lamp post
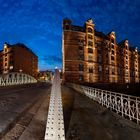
20	70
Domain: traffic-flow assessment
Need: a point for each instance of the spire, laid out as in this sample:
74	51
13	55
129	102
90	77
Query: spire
90	20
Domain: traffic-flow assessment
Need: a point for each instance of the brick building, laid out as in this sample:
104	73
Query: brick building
45	75
91	56
18	58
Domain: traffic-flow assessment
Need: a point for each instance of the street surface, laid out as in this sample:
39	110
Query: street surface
24	112
21	111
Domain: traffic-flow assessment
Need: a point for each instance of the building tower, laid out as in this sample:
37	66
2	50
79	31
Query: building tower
90	56
134	65
90	53
113	58
124	60
66	26
73	41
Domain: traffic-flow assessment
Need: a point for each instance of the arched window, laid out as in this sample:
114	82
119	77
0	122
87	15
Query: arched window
90	43
90	50
90	69
90	36
90	30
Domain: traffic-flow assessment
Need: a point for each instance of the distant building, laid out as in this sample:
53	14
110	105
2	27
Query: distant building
18	58
93	57
134	65
1	61
45	75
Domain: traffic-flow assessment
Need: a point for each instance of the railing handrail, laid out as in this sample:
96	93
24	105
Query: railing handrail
117	93
15	78
126	105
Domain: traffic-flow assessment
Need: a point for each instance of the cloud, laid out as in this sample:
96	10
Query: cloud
39	23
52	59
49	62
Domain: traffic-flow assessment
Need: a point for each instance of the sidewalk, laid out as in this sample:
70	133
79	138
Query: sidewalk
90	121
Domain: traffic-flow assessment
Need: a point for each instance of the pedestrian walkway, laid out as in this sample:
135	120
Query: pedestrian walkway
91	121
55	122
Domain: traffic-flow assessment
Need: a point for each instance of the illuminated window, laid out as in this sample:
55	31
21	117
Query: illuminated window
100	68
90	43
113	70
113	79
90	58
107	70
81	42
90	50
126	72
90	37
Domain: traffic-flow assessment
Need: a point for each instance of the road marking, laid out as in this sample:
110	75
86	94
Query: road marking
55	121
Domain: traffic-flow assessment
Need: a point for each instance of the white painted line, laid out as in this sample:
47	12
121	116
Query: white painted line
55	121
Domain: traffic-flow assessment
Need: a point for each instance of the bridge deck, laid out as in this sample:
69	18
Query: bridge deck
84	119
90	121
18	106
55	122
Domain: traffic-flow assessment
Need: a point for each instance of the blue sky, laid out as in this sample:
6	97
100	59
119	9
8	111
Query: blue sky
38	23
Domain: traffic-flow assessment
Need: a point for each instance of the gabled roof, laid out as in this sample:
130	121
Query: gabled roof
20	45
101	34
121	43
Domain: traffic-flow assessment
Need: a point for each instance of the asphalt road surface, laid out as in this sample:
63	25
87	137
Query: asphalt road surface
19	109
24	110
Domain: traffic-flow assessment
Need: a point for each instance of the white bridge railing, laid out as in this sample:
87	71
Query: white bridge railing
125	105
16	79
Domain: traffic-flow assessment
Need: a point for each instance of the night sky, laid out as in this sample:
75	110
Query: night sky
38	23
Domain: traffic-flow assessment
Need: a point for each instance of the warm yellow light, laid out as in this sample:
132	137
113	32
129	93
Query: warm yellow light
5	46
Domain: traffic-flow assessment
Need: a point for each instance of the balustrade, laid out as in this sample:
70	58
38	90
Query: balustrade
16	79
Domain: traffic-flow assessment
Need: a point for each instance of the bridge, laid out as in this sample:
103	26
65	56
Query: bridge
33	110
16	79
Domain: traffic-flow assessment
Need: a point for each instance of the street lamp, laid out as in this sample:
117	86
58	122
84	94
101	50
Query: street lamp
20	71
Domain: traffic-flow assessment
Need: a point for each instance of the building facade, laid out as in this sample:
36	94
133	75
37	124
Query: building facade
94	57
18	58
45	76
